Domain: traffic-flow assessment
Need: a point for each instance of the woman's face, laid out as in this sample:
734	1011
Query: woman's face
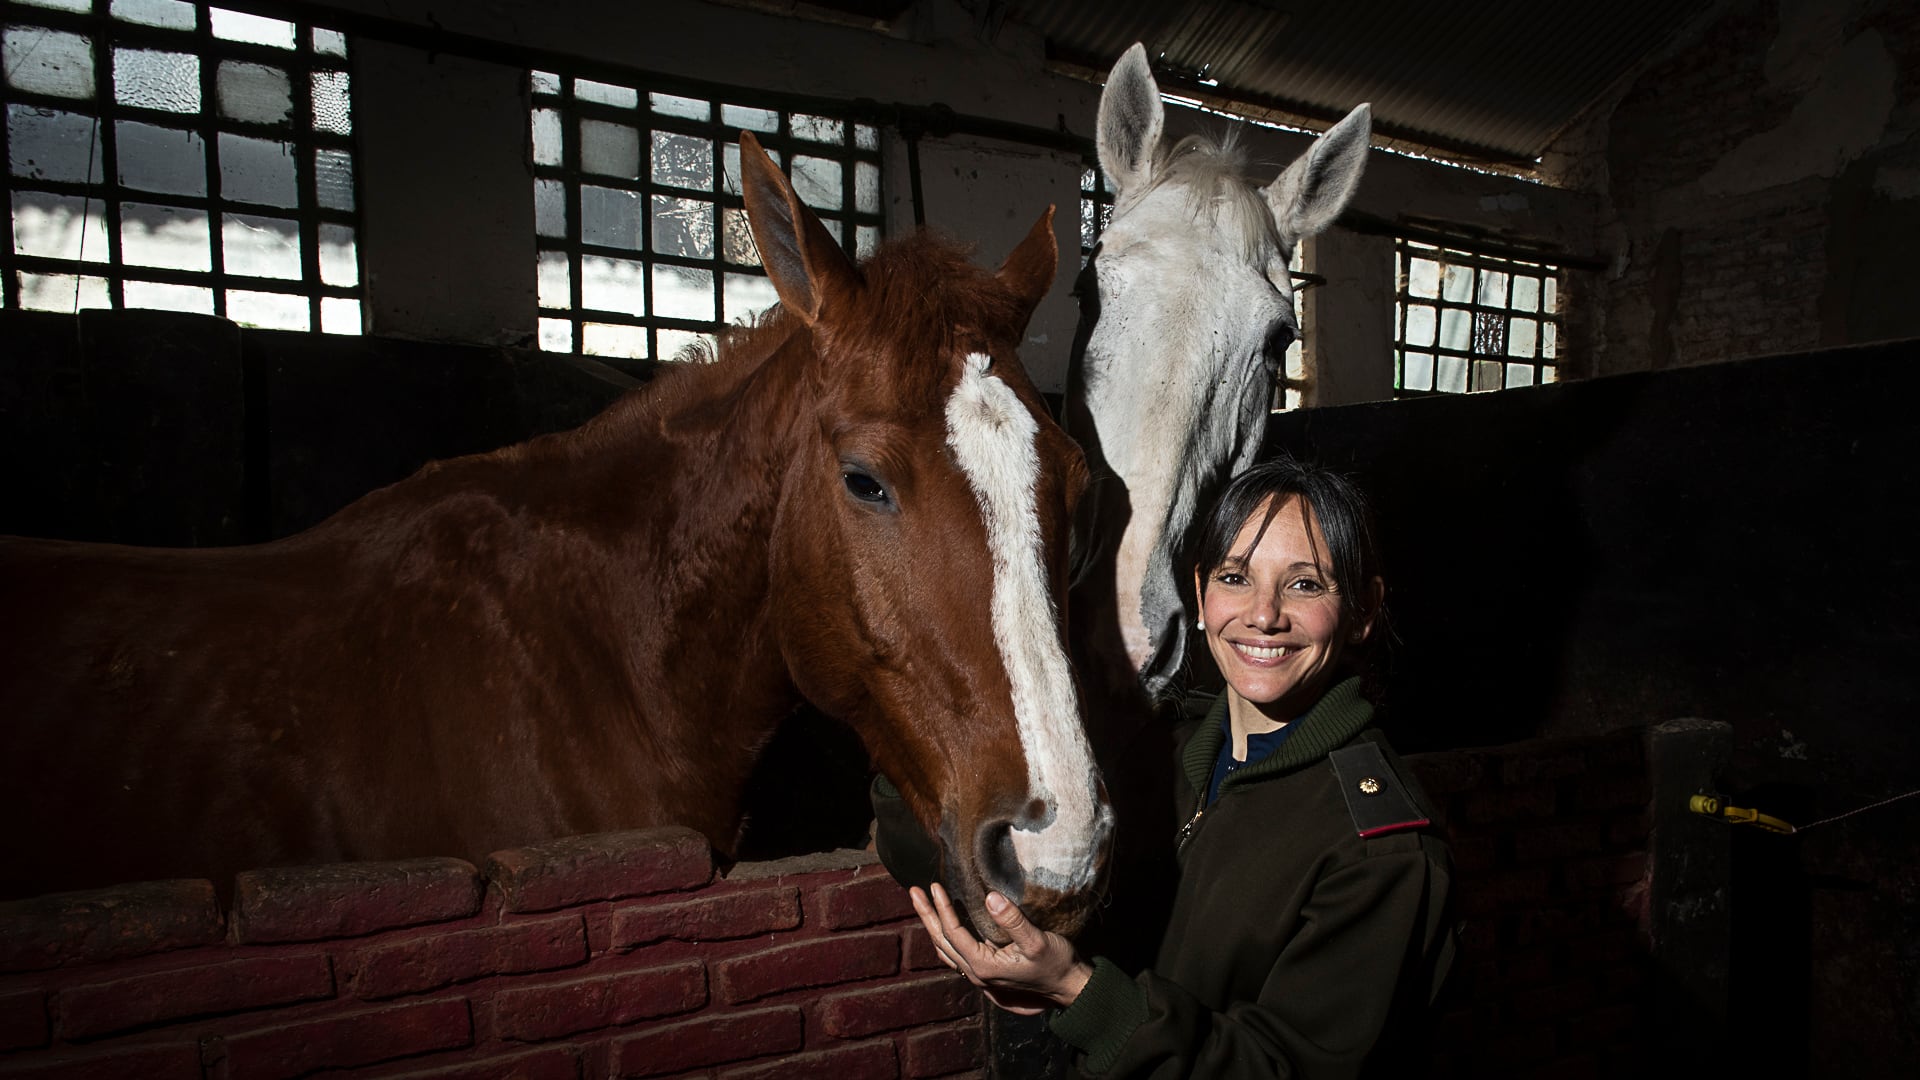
1274	623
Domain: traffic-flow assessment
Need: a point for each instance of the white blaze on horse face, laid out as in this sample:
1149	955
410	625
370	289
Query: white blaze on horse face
992	434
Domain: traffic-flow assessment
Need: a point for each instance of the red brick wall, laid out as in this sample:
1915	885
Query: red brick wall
1550	841
613	955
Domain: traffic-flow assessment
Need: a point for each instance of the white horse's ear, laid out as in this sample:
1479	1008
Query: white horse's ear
1313	191
1131	120
807	267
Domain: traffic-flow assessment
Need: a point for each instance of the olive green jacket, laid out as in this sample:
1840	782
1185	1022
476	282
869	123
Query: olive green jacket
1295	948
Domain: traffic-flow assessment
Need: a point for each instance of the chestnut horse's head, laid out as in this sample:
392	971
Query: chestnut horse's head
920	546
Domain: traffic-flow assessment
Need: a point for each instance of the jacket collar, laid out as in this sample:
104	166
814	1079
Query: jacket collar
1339	715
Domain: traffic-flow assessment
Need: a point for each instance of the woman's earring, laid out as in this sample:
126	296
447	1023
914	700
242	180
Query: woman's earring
1200	622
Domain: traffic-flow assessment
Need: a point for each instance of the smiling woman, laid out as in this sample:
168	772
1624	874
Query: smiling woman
1310	930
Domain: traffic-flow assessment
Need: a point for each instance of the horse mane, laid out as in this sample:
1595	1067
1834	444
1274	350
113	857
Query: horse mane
1213	169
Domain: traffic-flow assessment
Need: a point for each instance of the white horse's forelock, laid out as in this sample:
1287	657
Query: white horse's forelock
993	437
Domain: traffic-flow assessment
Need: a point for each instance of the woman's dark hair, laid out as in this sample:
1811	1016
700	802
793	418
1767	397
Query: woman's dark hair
1345	520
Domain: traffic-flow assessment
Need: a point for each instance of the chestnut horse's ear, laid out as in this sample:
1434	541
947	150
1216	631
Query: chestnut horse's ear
1028	272
808	269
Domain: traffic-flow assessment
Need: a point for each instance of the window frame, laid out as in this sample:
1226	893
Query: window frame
858	229
1544	363
104	187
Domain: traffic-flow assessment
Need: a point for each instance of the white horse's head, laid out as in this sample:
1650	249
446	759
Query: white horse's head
1186	319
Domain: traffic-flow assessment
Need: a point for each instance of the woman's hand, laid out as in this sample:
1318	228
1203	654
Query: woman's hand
1036	970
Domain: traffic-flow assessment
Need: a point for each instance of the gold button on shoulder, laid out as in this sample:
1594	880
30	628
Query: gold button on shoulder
1369	786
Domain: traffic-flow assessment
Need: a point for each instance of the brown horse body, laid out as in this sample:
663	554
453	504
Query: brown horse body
600	629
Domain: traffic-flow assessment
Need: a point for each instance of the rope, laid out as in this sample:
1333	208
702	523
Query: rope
1859	810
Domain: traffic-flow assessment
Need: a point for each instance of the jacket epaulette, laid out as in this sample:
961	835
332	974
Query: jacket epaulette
1377	799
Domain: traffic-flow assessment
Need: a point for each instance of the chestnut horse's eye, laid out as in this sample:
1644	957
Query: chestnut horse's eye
864	487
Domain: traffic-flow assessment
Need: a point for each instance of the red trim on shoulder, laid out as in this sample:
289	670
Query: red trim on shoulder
1398	826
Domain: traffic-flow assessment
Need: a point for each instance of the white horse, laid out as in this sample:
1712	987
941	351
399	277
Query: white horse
1183	327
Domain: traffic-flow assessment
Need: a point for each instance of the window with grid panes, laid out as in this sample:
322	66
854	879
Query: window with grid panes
1096	210
643	241
166	154
1466	322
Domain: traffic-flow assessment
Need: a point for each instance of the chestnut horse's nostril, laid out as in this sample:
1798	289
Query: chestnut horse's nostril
999	866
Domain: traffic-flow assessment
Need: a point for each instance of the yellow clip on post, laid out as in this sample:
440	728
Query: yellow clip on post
1711	806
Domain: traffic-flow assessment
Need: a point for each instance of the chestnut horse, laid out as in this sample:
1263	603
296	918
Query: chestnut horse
861	502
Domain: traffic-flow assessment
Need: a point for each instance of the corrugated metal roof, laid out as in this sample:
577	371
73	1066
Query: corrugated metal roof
1490	79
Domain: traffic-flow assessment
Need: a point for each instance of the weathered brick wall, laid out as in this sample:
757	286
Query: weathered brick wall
1756	186
1550	841
613	955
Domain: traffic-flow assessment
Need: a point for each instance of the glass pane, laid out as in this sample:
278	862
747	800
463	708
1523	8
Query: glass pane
59	227
1519	375
681	292
746	295
63	292
736	238
683	345
255	30
556	335
1549	333
1417	372
333	178
609	149
1549	374
682	227
47	144
339	256
866	188
255	93
818	128
258	171
254	246
332	107
159	296
1292	399
1486	374
866	137
1526	294
601	339
341	315
1452	375
1089	229
1552	298
545	82
817	181
555	281
865	239
333	43
548	138
622	97
1521	334
1423	277
613	284
730	172
1456	329
610	218
690	108
1456	284
1420	324
267	310
61	5
1493	288
682	160
166	14
43	61
152	79
741	116
165	159
836	229
168	236
549	208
